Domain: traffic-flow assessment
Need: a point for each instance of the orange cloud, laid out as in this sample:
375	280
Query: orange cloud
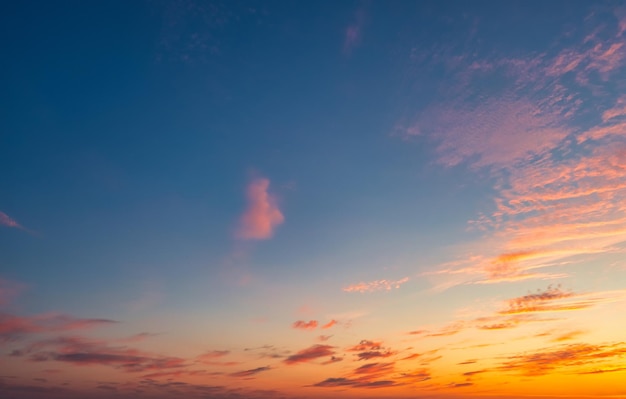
538	301
451	329
211	358
310	353
329	324
262	215
375	285
250	373
304	325
375	375
370	350
366	345
580	356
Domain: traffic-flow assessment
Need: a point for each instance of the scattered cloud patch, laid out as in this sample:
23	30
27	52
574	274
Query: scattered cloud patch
310	353
305	325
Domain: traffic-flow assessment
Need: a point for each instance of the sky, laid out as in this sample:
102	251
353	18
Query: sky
308	200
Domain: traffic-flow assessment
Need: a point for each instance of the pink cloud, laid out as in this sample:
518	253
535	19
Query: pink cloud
474	134
7	221
571	357
262	215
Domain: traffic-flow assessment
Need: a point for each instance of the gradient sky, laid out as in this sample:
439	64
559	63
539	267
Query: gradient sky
302	200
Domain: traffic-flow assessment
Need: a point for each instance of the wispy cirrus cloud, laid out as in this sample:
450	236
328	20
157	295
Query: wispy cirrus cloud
251	372
7	221
86	352
377	285
262	215
550	135
370	350
13	327
576	358
310	353
536	307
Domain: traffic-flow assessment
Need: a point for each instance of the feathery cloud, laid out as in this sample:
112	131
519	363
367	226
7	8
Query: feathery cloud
377	285
6	220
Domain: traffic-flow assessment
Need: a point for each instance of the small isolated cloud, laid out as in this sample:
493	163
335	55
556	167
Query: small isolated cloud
7	221
249	373
377	285
354	32
262	215
329	324
305	325
310	353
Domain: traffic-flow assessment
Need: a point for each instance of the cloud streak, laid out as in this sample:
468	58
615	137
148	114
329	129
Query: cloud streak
250	373
13	327
6	220
377	285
